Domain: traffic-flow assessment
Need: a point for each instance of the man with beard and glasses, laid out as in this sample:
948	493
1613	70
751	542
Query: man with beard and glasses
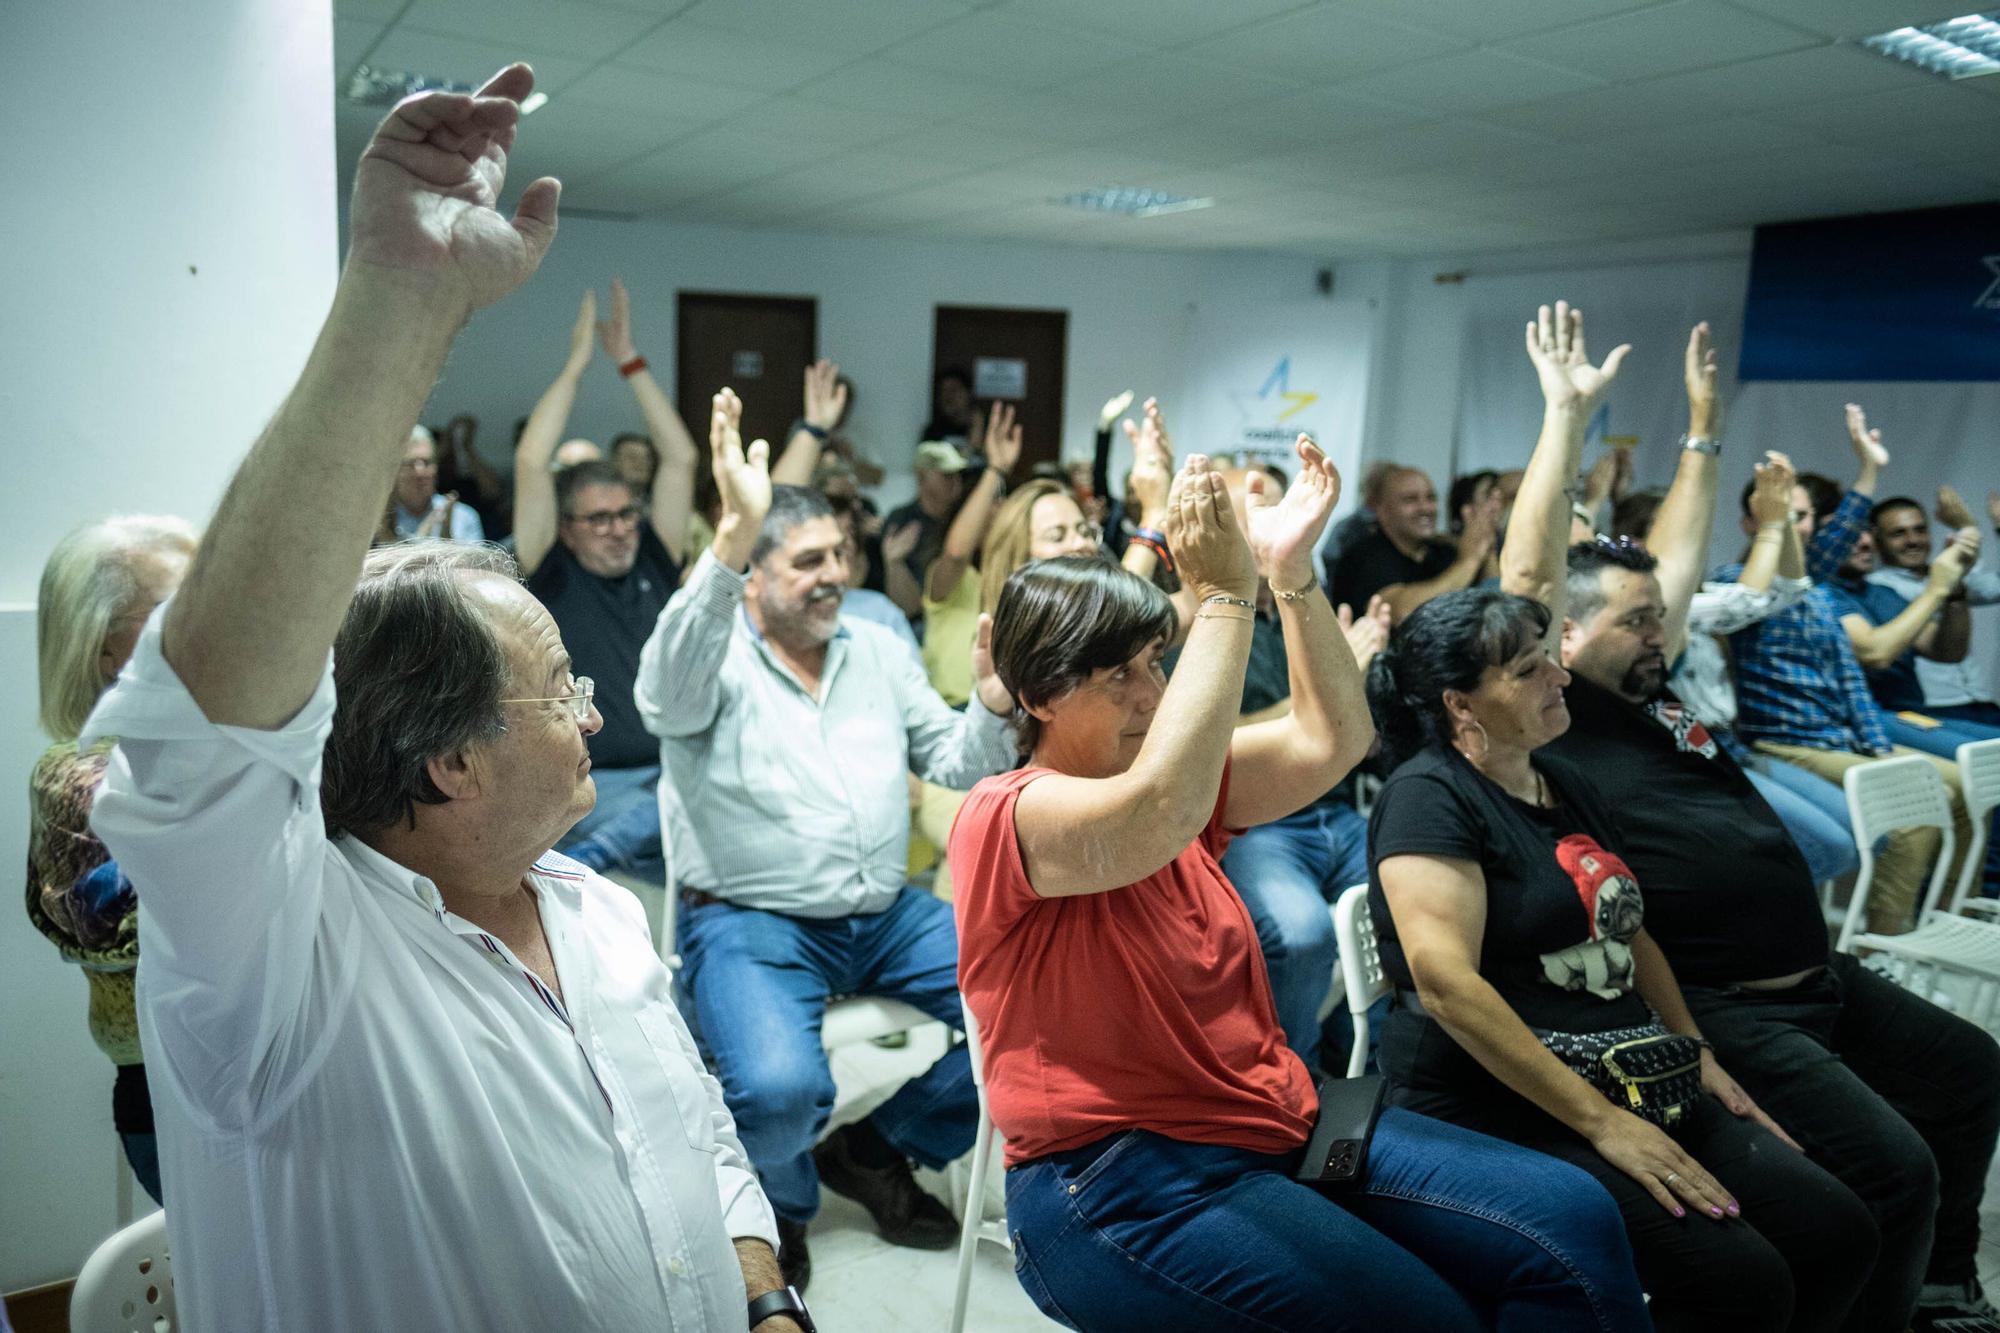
786	730
1890	1094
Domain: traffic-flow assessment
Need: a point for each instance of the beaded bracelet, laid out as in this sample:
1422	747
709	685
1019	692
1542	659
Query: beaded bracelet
1296	596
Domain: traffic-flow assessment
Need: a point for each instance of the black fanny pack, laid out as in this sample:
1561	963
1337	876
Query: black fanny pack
1651	1072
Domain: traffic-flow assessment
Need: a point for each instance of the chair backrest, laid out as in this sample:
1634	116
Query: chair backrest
1979	779
1360	956
1885	796
127	1284
973	1049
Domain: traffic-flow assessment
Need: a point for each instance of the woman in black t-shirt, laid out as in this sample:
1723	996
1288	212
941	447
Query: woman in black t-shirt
1512	930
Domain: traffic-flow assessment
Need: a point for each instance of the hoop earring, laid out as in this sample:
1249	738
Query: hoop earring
1485	743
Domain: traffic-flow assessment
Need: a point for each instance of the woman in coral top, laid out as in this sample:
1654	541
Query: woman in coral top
1152	1111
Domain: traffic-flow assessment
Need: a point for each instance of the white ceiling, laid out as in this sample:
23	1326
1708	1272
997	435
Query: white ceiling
1336	128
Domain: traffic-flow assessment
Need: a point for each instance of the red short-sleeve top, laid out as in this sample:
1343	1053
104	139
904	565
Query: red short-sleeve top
1146	1007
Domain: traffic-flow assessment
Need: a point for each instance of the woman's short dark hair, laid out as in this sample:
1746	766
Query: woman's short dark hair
1445	644
1059	620
418	673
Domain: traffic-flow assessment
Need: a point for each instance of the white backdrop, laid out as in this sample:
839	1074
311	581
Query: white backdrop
1259	376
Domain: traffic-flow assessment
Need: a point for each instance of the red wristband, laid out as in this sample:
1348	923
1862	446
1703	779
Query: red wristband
632	367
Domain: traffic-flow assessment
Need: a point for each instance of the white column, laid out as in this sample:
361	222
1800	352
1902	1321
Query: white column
169	233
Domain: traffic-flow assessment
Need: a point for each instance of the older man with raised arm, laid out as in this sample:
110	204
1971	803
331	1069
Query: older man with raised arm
786	730
1896	1098
409	1069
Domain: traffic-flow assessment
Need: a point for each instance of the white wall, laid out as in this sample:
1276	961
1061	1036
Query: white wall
170	243
1133	320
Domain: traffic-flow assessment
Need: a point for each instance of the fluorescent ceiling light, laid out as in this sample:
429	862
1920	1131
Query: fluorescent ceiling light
1132	202
369	86
1960	48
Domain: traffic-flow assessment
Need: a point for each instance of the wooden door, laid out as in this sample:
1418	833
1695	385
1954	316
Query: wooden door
1011	354
759	346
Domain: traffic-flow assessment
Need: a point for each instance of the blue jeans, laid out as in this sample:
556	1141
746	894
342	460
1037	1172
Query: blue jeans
622	831
1452	1230
1943	741
1813	811
1286	872
759	985
142	1152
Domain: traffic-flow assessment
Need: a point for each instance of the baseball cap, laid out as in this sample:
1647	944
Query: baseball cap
940	456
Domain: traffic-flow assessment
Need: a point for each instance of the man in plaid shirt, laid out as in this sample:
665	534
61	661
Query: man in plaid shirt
1803	697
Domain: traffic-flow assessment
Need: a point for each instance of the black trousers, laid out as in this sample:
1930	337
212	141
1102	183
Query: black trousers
1897	1098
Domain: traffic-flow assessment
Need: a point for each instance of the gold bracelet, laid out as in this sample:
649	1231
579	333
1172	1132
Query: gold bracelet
1223	615
1298	596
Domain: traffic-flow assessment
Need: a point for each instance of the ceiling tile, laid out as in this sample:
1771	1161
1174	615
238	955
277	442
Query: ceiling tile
1856	18
463	60
962	146
368	11
817	123
576	141
877	85
1468	82
854	26
1171	87
1816	74
1163	23
573	28
352	41
1594	116
1324	45
1688	34
992	48
1488	20
651	100
1935	116
716	55
1303	119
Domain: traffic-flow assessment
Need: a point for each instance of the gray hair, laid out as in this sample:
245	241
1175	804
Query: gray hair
590	472
790	506
91	578
418	673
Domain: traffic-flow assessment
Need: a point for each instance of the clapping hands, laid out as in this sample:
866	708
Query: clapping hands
1282	532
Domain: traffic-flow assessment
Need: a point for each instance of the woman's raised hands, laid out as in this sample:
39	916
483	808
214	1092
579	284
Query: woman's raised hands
1209	550
1284	530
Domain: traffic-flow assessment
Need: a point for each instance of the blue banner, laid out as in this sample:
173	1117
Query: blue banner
1885	296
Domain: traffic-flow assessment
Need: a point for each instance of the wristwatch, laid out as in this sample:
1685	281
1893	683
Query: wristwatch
784	1301
1707	444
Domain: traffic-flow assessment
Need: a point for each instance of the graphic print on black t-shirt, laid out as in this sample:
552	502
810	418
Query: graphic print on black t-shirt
1690	736
1602	963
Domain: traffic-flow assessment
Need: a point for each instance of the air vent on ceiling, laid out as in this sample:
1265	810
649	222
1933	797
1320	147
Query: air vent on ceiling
1961	48
1132	202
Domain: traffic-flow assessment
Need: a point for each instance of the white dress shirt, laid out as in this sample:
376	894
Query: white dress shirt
369	1115
1947	684
778	800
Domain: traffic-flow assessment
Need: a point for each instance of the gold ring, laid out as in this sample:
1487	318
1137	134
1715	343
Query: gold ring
1672	1176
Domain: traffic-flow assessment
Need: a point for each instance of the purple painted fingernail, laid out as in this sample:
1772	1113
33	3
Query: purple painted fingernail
1735	1210
1679	1211
1715	1212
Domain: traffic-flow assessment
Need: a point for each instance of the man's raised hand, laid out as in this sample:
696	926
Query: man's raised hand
1699	371
1555	345
1867	444
826	396
579	335
742	477
613	334
425	190
1771	495
1952	511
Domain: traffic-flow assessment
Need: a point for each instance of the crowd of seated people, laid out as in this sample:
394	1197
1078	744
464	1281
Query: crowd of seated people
330	803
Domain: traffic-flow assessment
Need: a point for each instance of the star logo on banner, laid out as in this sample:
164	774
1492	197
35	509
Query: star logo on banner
1259	431
1281	380
1990	298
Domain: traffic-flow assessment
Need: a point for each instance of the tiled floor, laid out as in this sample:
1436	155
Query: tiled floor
862	1284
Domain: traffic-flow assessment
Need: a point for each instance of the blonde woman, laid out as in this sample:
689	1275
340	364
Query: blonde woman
98	588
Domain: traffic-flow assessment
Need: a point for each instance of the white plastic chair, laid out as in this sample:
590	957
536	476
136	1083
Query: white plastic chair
127	1284
1979	777
976	1226
1888	795
1361	967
